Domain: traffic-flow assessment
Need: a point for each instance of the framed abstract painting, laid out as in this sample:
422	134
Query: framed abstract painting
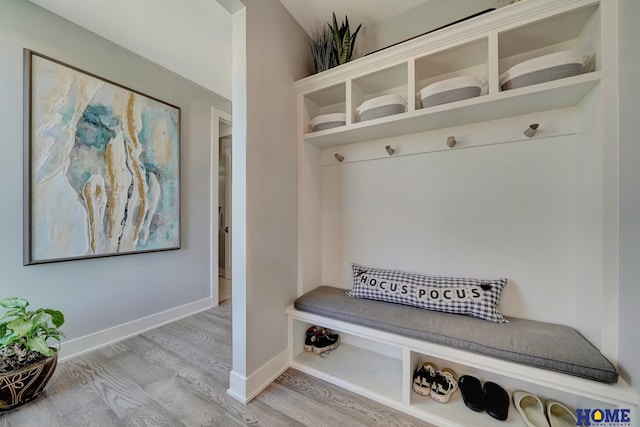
102	166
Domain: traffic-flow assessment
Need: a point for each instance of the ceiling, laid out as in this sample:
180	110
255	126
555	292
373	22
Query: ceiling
309	12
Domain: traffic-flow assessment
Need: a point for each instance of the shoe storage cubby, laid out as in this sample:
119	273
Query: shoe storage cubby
380	366
484	51
362	363
390	192
455	410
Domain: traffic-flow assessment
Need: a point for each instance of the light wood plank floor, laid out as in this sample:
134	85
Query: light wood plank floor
178	375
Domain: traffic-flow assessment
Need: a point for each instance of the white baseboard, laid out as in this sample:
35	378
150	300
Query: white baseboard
245	389
82	345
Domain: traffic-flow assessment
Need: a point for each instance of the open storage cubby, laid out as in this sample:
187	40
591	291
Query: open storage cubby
363	363
388	81
380	366
578	29
544	208
468	59
329	100
484	51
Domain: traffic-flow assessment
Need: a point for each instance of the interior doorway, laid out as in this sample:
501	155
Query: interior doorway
224	210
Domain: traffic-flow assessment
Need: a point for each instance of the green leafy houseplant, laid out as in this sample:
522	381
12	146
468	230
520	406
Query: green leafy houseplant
322	48
343	40
24	334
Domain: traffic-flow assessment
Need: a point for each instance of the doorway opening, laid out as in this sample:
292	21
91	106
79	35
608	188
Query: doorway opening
224	210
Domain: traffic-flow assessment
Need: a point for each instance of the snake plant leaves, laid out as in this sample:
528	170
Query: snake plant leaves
343	40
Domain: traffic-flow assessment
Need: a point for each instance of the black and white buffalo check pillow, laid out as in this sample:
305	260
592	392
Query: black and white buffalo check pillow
476	298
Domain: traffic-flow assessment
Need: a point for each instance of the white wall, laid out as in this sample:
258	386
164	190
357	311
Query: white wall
629	93
191	38
276	56
490	212
103	293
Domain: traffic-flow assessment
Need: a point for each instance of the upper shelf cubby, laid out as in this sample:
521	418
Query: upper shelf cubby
576	30
482	48
390	81
326	101
469	59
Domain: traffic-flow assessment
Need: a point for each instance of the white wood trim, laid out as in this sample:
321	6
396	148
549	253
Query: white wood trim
79	346
532	99
245	389
552	124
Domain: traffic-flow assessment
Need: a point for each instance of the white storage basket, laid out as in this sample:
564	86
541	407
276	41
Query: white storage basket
547	68
451	90
327	121
382	106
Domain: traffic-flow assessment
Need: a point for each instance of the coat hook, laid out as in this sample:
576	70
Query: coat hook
451	141
390	150
339	157
531	130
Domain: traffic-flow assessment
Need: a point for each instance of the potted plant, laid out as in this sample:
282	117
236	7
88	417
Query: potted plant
322	48
27	362
333	44
343	40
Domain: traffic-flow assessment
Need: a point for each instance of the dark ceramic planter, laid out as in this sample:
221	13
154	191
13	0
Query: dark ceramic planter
23	386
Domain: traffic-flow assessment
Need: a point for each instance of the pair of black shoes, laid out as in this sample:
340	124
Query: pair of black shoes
490	397
320	340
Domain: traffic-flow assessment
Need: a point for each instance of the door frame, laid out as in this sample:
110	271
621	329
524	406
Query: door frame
217	117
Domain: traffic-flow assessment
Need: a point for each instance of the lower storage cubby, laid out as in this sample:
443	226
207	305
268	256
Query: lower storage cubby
380	366
357	363
455	411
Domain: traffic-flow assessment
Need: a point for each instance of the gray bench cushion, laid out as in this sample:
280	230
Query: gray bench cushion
543	345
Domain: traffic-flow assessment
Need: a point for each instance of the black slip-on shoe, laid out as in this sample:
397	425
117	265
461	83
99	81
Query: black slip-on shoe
496	401
472	393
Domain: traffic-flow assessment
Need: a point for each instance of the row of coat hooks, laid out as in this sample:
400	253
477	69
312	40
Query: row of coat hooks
451	141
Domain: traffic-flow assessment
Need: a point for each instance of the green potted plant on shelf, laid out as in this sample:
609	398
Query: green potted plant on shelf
322	48
27	362
343	40
333	44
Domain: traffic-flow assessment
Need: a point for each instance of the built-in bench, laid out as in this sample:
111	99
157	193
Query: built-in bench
382	343
543	345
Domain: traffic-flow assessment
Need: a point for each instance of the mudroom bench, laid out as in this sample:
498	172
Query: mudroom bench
382	343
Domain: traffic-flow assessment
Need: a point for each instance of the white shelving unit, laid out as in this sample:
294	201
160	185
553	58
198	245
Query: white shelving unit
380	365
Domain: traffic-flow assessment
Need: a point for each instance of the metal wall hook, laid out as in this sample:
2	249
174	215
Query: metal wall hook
339	157
390	150
531	130
451	141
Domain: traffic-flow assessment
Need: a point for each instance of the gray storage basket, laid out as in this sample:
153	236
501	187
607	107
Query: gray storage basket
327	125
544	75
382	111
451	96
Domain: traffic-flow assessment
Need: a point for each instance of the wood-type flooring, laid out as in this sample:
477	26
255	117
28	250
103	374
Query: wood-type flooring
178	375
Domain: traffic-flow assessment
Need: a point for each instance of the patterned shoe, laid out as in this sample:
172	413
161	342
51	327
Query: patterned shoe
325	342
445	384
423	377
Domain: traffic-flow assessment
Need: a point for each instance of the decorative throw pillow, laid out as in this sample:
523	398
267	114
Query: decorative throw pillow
476	298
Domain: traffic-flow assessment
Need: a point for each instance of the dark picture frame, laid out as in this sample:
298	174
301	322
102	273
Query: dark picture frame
101	166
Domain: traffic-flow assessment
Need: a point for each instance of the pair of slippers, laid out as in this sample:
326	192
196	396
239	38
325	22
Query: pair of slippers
535	414
490	397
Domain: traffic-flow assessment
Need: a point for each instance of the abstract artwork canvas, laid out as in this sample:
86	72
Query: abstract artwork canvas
102	166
